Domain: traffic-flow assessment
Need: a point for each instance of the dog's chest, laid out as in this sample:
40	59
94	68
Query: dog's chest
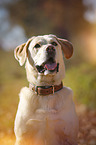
48	105
47	116
50	102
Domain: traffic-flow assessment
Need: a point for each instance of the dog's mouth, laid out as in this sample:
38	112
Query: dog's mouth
49	66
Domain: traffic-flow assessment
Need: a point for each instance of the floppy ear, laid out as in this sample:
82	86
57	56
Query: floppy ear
21	52
66	47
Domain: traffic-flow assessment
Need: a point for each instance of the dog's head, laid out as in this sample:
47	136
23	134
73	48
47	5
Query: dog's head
45	64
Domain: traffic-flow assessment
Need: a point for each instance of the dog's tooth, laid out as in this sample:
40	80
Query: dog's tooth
46	72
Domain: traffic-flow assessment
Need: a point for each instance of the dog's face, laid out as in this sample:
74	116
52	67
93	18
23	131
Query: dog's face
45	64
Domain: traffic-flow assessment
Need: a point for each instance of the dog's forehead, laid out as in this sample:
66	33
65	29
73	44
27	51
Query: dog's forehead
44	39
49	37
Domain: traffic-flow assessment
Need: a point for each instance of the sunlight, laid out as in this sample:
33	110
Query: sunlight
90	46
7	139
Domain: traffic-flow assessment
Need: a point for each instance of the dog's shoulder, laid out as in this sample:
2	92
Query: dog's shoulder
25	93
66	92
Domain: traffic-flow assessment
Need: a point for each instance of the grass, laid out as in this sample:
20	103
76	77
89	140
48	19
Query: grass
82	80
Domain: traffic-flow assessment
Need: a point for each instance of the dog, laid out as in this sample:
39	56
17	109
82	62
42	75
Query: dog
46	113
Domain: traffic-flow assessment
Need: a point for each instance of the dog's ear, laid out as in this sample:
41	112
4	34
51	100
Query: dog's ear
66	47
21	52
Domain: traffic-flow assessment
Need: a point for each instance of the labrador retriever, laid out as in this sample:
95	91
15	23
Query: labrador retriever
46	113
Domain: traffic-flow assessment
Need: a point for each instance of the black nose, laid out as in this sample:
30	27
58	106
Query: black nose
50	49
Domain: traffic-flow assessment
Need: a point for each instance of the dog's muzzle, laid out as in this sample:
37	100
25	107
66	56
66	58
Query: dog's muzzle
51	51
50	66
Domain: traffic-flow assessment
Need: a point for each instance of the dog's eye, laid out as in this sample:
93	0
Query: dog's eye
37	46
54	43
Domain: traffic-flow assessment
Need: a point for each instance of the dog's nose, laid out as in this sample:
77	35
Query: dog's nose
50	49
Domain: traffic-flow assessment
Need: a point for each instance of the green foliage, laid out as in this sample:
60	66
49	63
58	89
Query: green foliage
82	80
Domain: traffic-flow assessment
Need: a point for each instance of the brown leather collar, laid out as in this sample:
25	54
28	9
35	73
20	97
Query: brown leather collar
46	90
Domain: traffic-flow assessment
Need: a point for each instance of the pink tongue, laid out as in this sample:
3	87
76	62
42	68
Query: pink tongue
51	66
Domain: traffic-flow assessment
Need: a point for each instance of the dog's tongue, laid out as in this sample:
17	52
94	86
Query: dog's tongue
50	66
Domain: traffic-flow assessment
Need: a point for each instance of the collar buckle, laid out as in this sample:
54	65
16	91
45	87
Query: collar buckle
36	89
53	88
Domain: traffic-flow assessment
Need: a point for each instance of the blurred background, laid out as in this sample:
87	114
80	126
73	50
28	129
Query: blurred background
69	19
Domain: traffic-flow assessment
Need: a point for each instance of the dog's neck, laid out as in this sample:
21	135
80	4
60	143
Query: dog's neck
45	90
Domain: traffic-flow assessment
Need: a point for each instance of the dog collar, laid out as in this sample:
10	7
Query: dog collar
45	90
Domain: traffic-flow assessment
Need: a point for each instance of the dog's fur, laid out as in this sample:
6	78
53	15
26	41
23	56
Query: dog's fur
49	119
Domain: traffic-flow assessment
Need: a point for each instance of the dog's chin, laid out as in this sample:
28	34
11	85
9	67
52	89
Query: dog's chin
48	67
48	72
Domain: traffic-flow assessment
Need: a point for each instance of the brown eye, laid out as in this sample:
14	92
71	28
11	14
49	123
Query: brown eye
54	43
37	46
